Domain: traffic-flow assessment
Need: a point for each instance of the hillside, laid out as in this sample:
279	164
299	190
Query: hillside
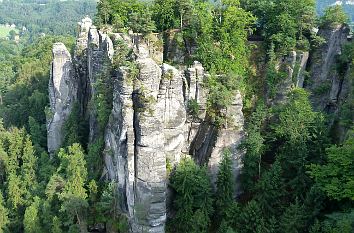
49	17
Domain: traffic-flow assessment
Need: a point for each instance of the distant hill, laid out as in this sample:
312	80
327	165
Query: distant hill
348	6
55	17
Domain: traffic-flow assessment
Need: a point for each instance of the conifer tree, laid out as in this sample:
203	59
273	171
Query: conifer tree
31	220
74	193
193	200
224	184
4	219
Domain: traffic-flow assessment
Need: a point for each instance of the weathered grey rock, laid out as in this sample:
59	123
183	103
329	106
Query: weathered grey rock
294	66
82	39
194	91
80	63
149	123
119	153
171	101
150	157
134	140
62	93
229	138
99	63
325	84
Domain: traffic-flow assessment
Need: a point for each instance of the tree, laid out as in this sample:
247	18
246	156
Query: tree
270	190
336	177
254	147
295	129
223	51
293	219
31	220
193	200
104	11
37	133
165	14
74	195
285	23
56	225
126	14
334	16
224	185
4	219
108	209
29	167
251	219
15	192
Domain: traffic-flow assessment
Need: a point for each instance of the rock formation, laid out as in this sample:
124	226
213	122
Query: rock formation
150	125
63	87
325	82
159	114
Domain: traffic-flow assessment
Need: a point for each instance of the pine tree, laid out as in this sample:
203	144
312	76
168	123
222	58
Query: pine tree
292	220
74	194
31	220
193	200
4	219
224	184
56	225
251	218
15	192
104	11
29	167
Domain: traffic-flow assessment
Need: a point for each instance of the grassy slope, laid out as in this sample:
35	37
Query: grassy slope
4	31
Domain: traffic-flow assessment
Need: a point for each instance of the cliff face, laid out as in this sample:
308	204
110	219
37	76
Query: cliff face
150	126
63	87
325	82
158	112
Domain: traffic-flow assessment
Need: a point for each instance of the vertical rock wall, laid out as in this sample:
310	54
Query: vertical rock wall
150	125
325	83
99	61
63	88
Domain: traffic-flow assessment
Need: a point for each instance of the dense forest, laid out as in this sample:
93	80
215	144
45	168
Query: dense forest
49	17
297	175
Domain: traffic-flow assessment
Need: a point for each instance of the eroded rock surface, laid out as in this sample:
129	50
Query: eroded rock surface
151	125
325	83
63	88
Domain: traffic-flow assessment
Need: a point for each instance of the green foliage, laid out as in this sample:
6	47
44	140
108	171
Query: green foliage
193	201
224	185
285	23
27	94
273	75
66	189
165	14
334	16
108	209
292	220
297	128
270	190
251	219
49	17
31	220
336	177
126	14
103	100
4	219
254	147
56	225
193	108
94	165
